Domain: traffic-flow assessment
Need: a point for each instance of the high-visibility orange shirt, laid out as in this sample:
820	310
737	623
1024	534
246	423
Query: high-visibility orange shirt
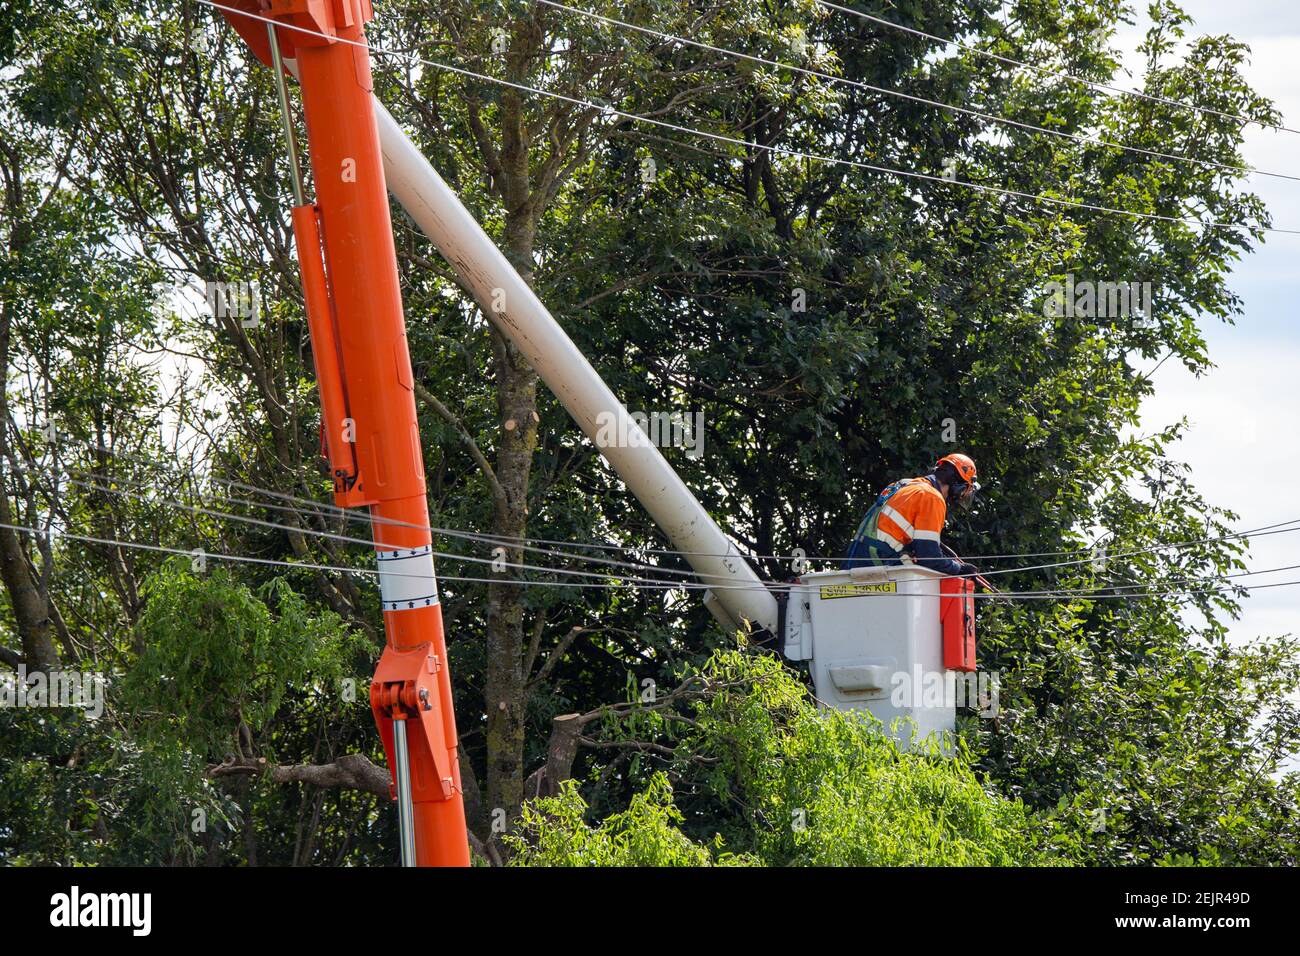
914	512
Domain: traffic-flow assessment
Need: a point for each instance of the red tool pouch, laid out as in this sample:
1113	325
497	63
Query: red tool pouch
957	614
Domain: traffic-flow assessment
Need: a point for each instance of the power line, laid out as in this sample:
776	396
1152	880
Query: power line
1137	552
349	539
621	579
1202	579
1090	556
779	150
830	77
665	586
1085	557
1057	74
352	515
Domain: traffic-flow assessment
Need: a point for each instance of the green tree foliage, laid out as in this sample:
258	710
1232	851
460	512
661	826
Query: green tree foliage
553	831
788	784
218	660
835	325
1128	747
218	663
80	792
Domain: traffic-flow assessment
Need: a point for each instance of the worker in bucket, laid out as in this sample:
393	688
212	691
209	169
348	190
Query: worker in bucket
908	518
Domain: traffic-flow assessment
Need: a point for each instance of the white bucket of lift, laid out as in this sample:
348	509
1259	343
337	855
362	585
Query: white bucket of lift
874	638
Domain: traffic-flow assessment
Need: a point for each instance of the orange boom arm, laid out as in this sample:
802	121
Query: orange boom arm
363	367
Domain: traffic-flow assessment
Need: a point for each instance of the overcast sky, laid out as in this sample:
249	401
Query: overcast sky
1244	444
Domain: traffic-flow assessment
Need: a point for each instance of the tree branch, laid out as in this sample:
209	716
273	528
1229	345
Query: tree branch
348	772
446	414
553	658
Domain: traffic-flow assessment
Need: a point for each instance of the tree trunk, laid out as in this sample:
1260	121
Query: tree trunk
505	684
561	752
30	602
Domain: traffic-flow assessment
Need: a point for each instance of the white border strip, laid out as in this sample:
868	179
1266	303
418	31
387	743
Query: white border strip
406	580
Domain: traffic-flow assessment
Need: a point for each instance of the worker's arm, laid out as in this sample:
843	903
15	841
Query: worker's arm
927	525
928	555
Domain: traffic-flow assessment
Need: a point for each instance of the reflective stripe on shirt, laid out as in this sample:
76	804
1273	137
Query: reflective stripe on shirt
903	524
889	539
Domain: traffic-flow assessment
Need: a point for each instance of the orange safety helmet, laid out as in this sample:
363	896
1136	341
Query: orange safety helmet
962	464
963	490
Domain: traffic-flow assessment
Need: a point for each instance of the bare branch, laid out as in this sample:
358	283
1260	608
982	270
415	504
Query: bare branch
554	658
348	772
446	414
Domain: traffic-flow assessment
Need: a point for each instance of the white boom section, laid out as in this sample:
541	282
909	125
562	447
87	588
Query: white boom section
736	593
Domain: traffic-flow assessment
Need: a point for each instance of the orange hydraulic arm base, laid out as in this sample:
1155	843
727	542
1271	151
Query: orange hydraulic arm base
363	367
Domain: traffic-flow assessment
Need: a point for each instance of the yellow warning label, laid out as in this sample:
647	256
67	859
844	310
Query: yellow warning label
830	591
